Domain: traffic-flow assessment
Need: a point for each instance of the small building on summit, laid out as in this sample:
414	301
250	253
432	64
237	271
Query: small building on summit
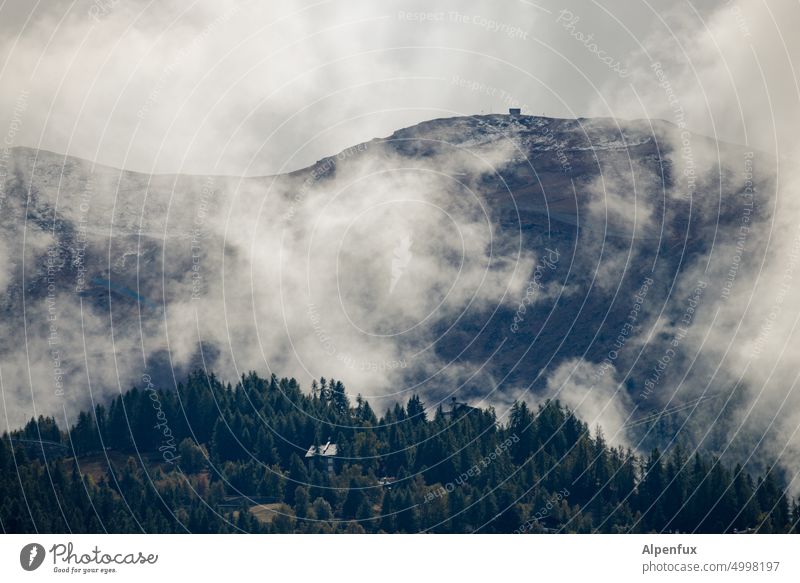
515	112
323	460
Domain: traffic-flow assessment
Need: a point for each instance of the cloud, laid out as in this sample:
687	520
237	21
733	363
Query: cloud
593	392
732	74
297	276
241	87
290	275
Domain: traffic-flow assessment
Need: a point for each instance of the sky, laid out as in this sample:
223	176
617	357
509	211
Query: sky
258	88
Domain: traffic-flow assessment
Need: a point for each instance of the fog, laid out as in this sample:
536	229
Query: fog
355	277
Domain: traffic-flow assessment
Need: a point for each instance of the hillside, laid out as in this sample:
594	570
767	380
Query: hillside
211	457
488	258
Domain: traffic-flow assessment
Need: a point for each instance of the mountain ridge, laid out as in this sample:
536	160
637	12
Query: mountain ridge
480	118
614	203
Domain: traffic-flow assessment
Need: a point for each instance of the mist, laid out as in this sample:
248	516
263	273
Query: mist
257	225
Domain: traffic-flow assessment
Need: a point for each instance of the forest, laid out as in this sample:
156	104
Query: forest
264	456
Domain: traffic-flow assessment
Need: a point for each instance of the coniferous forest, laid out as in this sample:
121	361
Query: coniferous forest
210	457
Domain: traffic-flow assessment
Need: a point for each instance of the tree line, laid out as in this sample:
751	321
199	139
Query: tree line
209	457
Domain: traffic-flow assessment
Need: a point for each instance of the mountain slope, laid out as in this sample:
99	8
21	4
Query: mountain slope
489	258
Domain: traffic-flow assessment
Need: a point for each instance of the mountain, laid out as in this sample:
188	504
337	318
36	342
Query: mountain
489	258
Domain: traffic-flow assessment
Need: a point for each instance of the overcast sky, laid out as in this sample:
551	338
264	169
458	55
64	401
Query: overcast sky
264	87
